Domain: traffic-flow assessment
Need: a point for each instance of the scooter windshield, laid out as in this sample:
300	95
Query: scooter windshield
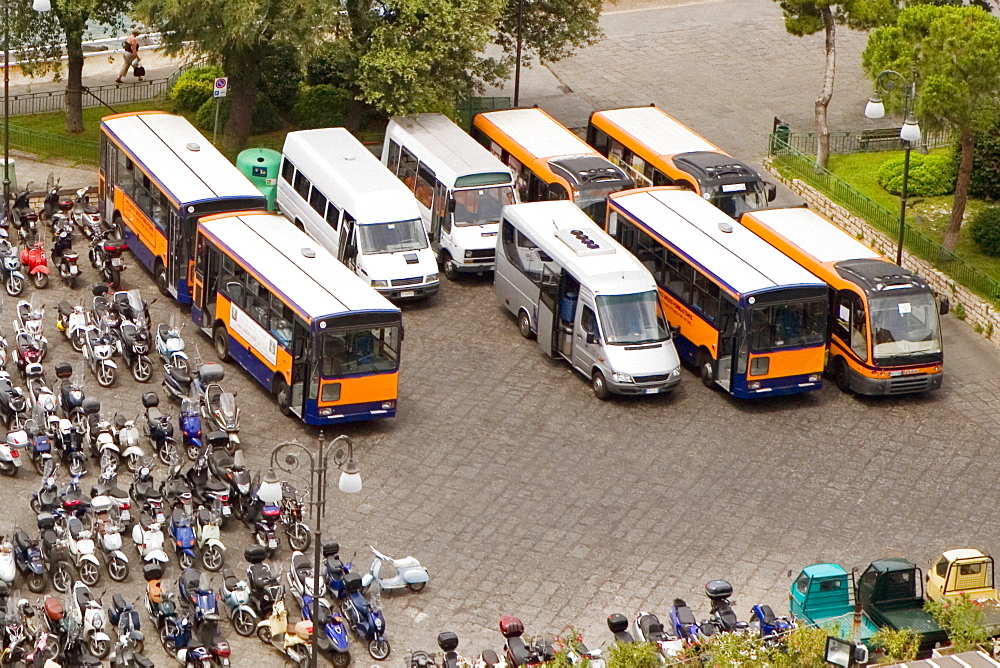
227	404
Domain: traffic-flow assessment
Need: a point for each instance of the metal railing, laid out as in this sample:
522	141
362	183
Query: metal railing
466	109
803	166
47	145
860	141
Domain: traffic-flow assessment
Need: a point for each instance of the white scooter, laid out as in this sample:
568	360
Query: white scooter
73	323
149	543
8	569
213	551
90	619
409	573
109	534
81	547
127	436
10	452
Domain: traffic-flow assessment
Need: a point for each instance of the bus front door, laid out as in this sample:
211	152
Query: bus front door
728	343
177	252
300	378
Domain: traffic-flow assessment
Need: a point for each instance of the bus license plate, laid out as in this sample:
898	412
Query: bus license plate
406	293
652	390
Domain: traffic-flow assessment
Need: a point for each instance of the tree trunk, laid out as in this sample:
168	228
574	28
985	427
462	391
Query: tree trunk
823	101
961	189
74	80
354	111
243	77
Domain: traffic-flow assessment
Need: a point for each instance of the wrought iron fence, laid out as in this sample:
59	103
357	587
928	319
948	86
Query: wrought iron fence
466	109
864	141
46	145
803	166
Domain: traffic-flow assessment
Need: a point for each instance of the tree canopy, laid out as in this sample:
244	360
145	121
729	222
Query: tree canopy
954	52
550	29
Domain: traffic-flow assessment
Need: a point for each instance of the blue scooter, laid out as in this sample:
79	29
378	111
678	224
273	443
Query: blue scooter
181	530
770	626
365	617
335	570
304	586
28	557
197	590
191	429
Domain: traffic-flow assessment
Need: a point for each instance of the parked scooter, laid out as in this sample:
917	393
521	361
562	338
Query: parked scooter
265	586
177	382
771	627
10	452
364	617
108	528
85	215
147	495
81	548
191	433
295	646
519	653
89	617
98	351
159	429
55	209
23	216
236	597
127	652
213	551
133	344
37	444
13	403
149	543
409	573
8	563
69	259
196	590
72	322
686	626
35	262
159	604
126	434
170	346
71	396
69	442
722	615
649	629
46	499
106	257
183	536
292	514
30	319
10	267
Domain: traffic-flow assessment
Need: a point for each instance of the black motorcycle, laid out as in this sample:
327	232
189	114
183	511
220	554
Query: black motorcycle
106	257
159	429
13	403
71	395
133	345
23	216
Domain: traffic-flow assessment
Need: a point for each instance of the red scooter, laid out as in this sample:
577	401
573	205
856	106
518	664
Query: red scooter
33	258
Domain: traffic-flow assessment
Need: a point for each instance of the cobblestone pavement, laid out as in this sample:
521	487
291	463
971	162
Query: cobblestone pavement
523	494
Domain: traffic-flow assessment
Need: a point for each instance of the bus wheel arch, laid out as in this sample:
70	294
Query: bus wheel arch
160	277
524	323
282	394
706	368
118	225
842	374
220	341
600	385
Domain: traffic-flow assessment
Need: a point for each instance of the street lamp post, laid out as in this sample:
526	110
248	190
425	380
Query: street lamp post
886	82
286	457
39	6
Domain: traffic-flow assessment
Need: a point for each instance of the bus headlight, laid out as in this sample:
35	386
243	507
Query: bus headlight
754	385
386	405
621	377
379	284
431	278
815	378
325	412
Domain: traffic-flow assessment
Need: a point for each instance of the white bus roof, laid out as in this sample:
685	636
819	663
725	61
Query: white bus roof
815	235
539	134
186	165
654	128
610	271
448	150
739	259
272	247
350	175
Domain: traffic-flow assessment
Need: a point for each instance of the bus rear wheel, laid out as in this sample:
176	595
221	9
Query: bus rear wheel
283	396
220	338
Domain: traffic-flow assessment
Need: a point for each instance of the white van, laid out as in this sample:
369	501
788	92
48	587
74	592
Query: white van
586	298
337	190
460	187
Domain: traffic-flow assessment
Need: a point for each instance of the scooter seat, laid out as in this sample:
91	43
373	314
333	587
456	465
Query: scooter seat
518	650
769	618
21	538
685	616
178	375
229	580
65	308
728	618
120	420
204	517
260	576
163	331
334	568
153	414
49	539
53	608
75	526
624	637
405	562
117	603
83	598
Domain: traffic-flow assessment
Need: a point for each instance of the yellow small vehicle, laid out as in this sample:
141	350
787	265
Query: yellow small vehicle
970	572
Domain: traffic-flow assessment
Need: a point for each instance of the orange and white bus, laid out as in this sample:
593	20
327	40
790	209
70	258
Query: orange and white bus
157	176
657	150
549	161
751	320
885	329
311	331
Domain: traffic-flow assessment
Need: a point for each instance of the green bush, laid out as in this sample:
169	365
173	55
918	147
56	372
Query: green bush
984	183
265	116
929	175
193	87
985	230
322	106
334	64
280	75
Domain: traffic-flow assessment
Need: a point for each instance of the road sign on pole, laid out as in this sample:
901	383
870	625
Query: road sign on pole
221	87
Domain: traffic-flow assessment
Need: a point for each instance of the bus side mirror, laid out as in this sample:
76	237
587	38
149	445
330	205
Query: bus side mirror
771	190
944	306
402	332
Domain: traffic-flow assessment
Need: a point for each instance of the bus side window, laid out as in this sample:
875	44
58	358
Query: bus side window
302	185
705	298
615	152
661	179
598	139
859	328
557	191
393	156
440	214
588	323
287	171
424	188
318	201
256	301
407	169
651	254
300	338
332	215
507	234
679	276
281	321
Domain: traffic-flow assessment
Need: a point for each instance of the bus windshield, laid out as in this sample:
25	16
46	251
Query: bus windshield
751	197
794	325
905	326
632	319
363	350
481	206
405	235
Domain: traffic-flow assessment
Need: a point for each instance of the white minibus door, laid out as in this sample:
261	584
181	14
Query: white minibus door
348	246
586	339
547	299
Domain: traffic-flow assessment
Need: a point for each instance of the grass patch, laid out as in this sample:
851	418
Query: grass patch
928	214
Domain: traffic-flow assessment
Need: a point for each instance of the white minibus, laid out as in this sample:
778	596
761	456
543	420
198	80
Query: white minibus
460	187
337	190
585	297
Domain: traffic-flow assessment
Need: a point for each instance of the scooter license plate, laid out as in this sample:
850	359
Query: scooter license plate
226	511
116	262
74	270
126	516
272	542
407	293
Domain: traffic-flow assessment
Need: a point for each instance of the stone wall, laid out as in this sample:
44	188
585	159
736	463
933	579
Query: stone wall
980	315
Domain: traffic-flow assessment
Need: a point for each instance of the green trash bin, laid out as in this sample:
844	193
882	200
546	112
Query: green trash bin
261	166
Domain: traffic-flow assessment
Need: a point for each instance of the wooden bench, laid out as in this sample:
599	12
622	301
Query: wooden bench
883	138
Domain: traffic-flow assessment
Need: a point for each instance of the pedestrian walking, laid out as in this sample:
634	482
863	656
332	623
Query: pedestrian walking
131	57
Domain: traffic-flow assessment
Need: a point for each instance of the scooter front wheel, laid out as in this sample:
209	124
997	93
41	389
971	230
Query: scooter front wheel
416	586
40	280
90	573
244	621
99	648
341	659
78	341
264	634
15	286
192	452
185	560
62	576
132	462
117	569
106	376
299	537
36	582
167	452
142	370
379	649
212	558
